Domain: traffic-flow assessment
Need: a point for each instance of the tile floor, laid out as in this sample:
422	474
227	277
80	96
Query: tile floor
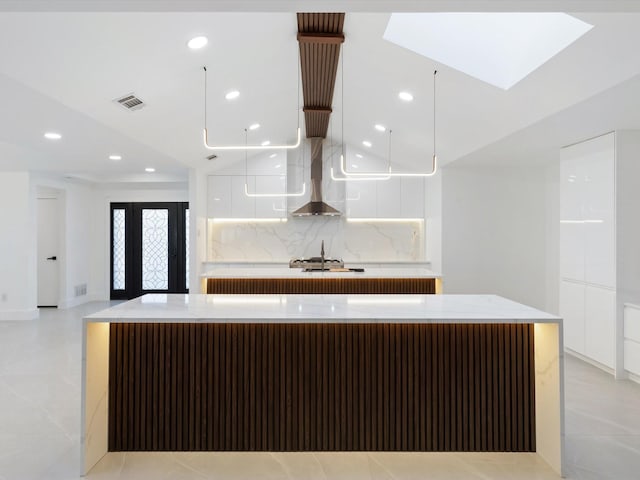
40	424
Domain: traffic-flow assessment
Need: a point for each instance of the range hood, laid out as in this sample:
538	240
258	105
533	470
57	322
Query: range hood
316	206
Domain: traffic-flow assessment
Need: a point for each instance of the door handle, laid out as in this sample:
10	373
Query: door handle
52	258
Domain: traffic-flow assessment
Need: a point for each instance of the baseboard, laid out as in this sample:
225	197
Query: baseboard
30	314
632	376
590	361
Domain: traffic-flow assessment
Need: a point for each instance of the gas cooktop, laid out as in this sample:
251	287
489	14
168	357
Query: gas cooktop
314	263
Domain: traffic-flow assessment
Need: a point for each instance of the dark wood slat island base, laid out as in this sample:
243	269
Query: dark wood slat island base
300	373
320	285
321	387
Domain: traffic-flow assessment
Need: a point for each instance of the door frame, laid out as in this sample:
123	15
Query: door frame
133	248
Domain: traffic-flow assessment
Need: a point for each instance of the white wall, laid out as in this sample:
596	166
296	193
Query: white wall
494	233
17	248
433	220
552	229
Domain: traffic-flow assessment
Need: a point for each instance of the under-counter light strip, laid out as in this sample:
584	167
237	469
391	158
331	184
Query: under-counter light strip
248	220
246	300
384	220
581	221
384	301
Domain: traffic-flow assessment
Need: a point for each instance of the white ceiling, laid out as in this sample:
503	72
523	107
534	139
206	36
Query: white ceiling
60	71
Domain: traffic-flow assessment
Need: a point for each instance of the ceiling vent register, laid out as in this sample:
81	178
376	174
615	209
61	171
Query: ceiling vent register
130	102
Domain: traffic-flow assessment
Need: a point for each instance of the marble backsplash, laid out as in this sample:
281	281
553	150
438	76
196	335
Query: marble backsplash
279	241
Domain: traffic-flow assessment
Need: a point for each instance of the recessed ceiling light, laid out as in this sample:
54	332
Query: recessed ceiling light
273	155
115	157
405	96
52	136
358	155
233	94
197	42
278	166
366	143
254	126
380	128
150	169
265	143
500	48
353	165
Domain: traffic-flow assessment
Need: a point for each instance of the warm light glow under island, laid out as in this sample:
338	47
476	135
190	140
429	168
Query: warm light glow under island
322	373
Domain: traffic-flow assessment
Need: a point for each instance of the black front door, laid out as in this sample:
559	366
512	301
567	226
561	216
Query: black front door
149	248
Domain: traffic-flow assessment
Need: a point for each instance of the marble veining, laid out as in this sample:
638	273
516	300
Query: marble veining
301	237
323	308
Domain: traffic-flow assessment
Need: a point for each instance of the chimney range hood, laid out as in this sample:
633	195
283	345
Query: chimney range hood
316	206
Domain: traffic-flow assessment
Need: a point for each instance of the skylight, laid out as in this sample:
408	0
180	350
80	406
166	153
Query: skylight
497	48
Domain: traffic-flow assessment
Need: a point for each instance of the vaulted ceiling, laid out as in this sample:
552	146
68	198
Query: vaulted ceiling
61	69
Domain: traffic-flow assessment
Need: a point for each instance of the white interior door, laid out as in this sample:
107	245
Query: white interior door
48	225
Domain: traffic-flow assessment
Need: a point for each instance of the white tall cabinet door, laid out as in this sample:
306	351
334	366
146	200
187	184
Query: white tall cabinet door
600	323
599	212
572	226
572	308
588	248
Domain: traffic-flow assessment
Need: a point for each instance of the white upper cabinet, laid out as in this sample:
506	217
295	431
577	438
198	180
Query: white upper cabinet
265	175
388	200
242	206
412	197
397	197
219	196
270	206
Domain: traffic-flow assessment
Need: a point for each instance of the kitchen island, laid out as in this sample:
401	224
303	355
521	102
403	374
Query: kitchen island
322	373
283	280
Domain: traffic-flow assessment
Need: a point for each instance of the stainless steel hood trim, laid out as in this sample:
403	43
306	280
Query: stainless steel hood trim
316	206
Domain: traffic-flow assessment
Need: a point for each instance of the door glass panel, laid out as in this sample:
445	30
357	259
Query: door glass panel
186	246
118	249
155	249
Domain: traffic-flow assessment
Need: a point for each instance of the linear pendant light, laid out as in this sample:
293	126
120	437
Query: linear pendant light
254	194
246	147
434	158
346	178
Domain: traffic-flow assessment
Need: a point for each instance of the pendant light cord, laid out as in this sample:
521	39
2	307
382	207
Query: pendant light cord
434	113
205	97
342	149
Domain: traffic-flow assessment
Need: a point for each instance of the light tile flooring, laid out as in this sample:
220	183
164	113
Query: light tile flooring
40	424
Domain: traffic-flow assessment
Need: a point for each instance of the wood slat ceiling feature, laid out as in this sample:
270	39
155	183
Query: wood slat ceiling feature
319	36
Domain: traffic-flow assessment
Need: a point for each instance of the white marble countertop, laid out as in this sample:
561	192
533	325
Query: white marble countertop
188	308
286	272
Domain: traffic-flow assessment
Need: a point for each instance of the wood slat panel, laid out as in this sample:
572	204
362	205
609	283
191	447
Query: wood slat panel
329	387
319	37
283	286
